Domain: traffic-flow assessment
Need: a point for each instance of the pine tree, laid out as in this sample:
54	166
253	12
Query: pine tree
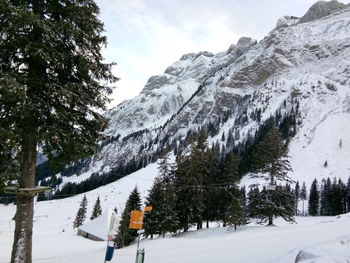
235	212
189	204
325	198
81	214
211	194
337	197
169	222
348	196
96	211
231	170
296	197
155	198
53	85
314	199
253	201
276	203
271	160
125	235
303	196
191	174
342	190
223	137
229	203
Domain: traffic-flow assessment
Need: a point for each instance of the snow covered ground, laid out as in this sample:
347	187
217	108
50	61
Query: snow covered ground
320	239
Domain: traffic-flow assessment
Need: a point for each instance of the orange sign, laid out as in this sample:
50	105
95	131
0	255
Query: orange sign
148	208
135	226
136	216
136	219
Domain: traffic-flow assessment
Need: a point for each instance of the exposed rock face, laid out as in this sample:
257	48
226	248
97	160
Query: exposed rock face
322	9
304	256
286	21
245	42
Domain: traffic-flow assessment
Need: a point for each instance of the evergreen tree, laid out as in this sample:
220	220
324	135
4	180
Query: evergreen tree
53	85
125	235
337	197
231	170
348	196
342	190
303	196
169	222
191	174
189	204
81	214
275	203
271	160
230	209
155	198
162	198
325	198
96	211
253	201
296	197
244	205
223	137
211	194
236	211
314	199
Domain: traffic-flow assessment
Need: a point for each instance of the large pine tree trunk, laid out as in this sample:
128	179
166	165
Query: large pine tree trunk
270	220
22	244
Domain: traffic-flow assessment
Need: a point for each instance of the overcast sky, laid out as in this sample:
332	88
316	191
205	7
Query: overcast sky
146	36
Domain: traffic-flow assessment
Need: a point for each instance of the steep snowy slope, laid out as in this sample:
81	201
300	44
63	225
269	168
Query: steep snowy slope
302	61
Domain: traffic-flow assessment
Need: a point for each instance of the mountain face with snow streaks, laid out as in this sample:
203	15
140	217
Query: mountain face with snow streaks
304	60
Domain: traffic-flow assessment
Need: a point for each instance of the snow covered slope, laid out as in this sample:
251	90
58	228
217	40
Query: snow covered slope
305	60
313	239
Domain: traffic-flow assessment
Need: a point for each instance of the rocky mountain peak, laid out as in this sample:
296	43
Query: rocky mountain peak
322	9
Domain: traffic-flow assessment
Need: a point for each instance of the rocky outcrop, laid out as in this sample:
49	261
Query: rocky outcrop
286	21
322	9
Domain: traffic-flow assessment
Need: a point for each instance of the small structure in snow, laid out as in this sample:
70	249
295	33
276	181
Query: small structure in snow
99	228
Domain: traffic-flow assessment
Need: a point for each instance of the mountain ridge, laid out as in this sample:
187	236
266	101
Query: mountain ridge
295	61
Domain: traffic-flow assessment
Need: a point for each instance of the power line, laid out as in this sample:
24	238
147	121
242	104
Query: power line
210	186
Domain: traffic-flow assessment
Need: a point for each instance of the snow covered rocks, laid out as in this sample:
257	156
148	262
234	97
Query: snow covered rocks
322	9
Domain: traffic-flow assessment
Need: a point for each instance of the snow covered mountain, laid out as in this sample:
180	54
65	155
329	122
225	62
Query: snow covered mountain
303	60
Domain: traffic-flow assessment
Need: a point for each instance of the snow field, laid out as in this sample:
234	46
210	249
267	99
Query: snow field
323	238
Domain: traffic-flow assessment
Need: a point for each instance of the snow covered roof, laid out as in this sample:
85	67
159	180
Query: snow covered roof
99	227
